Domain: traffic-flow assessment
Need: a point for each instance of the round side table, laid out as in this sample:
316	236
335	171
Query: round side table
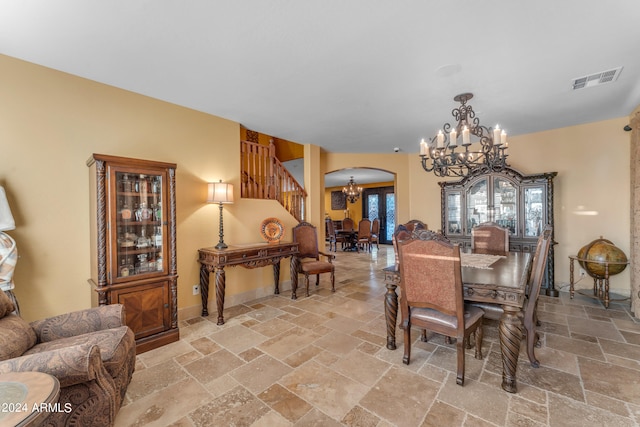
25	397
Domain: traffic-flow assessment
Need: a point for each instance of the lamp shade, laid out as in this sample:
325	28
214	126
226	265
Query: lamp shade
6	219
220	192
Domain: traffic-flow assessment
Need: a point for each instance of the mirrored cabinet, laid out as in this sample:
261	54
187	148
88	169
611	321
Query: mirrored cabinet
521	203
133	244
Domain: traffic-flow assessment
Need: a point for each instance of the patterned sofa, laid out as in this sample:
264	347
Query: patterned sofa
91	353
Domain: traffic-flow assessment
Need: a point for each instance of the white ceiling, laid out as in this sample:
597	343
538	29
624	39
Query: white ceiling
349	76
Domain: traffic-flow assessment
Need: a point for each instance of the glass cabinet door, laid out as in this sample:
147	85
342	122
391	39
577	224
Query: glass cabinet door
139	232
505	196
534	219
454	213
477	204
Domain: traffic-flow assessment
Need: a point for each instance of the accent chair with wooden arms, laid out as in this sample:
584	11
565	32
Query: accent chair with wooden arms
375	233
308	258
539	262
431	285
364	234
489	238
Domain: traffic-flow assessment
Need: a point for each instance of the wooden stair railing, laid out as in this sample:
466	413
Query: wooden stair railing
265	177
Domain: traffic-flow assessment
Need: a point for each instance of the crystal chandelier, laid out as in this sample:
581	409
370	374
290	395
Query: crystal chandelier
352	191
446	157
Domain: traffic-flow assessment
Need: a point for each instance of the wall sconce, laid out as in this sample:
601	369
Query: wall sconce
222	193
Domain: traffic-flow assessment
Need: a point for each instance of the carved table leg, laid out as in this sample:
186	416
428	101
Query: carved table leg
204	289
294	277
510	337
391	315
220	285
276	277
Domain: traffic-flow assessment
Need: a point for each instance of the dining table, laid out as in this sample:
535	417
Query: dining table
488	278
350	238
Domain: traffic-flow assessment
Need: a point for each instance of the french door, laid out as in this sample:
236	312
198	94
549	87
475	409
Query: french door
380	203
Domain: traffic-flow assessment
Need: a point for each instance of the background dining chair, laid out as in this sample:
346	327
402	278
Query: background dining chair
536	276
308	258
375	233
364	234
332	238
489	237
403	232
347	225
431	286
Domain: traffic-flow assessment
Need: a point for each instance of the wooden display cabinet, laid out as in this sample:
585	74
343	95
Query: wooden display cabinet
133	244
521	203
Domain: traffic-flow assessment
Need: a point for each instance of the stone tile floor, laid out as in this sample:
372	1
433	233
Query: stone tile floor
322	361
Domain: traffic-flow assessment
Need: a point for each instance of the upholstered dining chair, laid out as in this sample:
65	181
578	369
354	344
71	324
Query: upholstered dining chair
308	258
538	264
489	238
364	234
331	235
403	232
431	285
347	225
375	233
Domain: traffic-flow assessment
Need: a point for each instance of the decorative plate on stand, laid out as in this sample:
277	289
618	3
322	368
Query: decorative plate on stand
272	230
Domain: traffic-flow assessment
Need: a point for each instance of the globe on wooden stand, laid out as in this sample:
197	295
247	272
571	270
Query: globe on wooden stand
600	259
599	254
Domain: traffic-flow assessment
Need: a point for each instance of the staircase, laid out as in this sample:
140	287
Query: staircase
265	177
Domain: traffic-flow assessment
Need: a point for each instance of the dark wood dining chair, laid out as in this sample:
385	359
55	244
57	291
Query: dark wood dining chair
308	258
347	225
536	276
403	232
431	286
489	238
332	238
375	233
364	234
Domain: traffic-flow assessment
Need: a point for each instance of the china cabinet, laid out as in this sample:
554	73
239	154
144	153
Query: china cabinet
521	203
133	244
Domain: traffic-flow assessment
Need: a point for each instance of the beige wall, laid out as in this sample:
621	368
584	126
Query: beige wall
51	122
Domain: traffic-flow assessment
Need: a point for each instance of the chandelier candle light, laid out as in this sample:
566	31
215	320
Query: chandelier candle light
222	193
352	191
443	156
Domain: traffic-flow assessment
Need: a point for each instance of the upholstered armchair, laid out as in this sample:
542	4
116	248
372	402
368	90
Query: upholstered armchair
91	353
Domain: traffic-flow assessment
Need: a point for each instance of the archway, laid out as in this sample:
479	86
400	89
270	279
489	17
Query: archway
376	201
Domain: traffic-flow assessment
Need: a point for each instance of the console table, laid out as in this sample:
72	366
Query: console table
248	256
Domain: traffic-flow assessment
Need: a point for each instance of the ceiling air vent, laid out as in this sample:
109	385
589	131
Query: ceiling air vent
597	78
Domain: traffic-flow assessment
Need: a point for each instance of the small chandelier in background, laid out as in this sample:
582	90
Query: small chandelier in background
352	191
440	155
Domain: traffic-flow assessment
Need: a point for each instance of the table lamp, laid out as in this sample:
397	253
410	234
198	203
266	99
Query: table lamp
222	193
8	250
